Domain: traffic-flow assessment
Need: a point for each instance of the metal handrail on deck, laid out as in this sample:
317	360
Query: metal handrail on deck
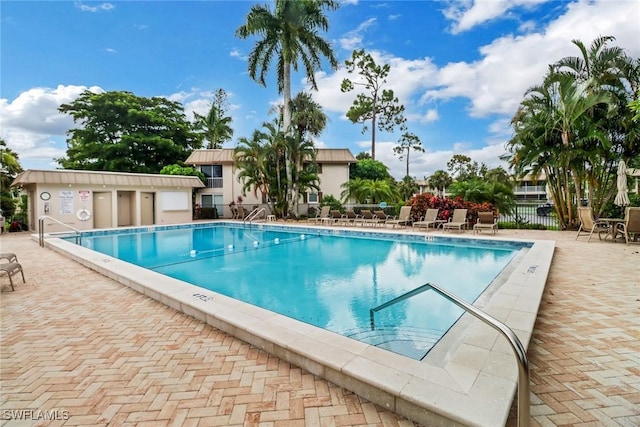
41	229
514	341
254	214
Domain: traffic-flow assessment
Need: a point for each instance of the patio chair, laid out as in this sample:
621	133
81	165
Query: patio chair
590	225
458	221
631	224
404	217
11	268
349	217
429	220
383	217
368	218
324	213
486	221
334	217
9	256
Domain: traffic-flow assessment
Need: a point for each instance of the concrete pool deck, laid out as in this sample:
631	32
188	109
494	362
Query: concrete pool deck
109	355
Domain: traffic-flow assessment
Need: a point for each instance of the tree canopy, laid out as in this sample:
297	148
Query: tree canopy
376	105
288	34
122	132
369	169
9	168
577	125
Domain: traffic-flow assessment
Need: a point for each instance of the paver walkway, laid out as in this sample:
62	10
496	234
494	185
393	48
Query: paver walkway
81	348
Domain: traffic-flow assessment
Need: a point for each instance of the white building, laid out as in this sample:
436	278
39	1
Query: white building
85	200
223	185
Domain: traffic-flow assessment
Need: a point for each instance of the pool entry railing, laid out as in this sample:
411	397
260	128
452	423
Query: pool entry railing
41	220
514	341
254	214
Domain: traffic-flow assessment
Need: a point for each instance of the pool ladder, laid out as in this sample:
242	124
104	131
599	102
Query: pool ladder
516	345
41	229
254	214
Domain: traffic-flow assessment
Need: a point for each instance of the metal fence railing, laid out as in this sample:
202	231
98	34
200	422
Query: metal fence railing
531	214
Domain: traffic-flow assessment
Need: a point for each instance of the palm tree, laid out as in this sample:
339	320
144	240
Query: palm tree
554	133
380	191
308	120
251	157
354	190
440	180
215	126
290	34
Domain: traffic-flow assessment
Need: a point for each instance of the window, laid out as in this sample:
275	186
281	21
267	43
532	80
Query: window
207	201
213	174
212	171
313	197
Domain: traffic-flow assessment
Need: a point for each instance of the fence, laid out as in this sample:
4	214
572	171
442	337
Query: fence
525	215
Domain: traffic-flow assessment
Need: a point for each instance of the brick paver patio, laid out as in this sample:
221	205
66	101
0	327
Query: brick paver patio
81	348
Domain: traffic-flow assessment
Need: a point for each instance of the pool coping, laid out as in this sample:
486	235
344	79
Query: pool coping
469	378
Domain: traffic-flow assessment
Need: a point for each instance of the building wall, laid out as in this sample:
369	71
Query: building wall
71	204
331	179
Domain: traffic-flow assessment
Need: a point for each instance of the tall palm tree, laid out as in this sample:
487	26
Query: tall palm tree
289	34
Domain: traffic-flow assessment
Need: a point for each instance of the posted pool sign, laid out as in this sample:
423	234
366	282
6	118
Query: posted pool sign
84	195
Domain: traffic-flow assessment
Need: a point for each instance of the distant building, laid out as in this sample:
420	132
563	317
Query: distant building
223	185
531	188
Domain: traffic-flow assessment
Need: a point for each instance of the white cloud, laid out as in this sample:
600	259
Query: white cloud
235	53
510	65
467	14
31	124
111	50
101	7
353	39
407	78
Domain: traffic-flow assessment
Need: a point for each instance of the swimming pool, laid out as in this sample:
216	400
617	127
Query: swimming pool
468	378
329	281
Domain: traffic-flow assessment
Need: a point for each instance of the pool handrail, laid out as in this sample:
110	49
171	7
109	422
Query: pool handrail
254	214
514	341
41	229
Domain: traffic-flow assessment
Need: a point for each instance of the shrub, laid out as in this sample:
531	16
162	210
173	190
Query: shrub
332	202
421	202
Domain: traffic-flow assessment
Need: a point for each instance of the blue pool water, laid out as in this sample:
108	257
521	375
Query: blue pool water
330	281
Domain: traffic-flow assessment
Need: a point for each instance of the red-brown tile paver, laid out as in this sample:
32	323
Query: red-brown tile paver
81	348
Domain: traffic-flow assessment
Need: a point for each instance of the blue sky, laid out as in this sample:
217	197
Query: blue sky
459	67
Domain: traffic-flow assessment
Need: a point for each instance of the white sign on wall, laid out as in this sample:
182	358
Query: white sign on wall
66	202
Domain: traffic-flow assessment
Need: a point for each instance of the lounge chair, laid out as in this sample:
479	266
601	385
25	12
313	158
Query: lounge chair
383	217
334	218
323	214
458	221
631	224
404	217
349	217
11	268
429	220
367	218
486	221
590	225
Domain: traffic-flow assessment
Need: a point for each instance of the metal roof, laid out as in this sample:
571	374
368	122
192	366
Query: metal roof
223	156
120	179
